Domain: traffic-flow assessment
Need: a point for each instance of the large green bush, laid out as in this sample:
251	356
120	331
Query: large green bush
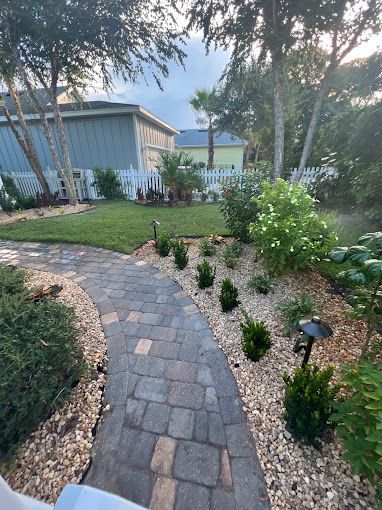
289	233
40	358
107	183
359	419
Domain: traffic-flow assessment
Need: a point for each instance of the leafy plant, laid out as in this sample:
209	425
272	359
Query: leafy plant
308	402
366	276
207	248
289	233
179	173
237	206
261	283
293	310
359	420
228	296
11	198
107	183
206	275
256	338
163	244
40	359
179	250
231	253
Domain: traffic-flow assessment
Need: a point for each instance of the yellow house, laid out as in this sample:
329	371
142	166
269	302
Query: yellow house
228	149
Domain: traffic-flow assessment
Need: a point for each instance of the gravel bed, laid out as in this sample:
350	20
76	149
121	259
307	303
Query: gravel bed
297	476
58	452
42	212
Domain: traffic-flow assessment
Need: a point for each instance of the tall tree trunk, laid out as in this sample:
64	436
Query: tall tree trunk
25	142
312	128
278	106
210	163
47	131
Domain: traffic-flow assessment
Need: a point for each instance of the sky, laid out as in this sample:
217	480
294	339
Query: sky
201	71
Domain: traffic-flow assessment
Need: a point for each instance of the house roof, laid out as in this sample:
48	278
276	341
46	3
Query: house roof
26	102
199	138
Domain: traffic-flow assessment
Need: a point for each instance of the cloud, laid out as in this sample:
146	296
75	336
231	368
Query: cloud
171	104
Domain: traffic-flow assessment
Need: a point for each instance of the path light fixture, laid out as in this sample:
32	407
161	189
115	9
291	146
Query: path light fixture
154	224
310	329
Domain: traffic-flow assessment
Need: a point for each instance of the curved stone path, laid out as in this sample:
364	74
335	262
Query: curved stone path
176	435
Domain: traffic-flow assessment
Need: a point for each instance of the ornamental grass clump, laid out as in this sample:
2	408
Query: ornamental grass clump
256	338
309	402
180	250
41	360
231	253
293	310
261	283
163	245
207	248
228	296
206	274
289	234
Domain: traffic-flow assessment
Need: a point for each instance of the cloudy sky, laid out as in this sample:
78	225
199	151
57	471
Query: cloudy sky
171	104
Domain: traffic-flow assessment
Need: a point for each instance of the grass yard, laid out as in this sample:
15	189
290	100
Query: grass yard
118	225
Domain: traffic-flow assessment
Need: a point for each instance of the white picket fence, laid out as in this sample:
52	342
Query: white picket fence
132	179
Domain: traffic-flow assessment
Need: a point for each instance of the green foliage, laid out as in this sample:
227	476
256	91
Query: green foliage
237	205
261	283
179	250
359	420
309	402
365	275
163	244
206	274
107	183
231	253
10	197
293	310
289	233
256	338
40	359
180	174
228	296
207	248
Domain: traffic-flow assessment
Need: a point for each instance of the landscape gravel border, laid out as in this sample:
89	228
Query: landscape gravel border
297	476
58	452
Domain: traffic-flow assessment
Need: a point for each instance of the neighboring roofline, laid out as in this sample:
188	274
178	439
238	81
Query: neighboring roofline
215	145
101	112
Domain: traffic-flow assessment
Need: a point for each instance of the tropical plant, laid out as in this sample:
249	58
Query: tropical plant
308	402
256	338
228	296
207	248
289	233
206	274
179	250
359	420
366	276
107	182
293	310
179	173
163	244
261	283
203	105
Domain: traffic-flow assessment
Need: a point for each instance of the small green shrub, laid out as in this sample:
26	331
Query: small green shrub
289	233
261	283
309	402
163	245
231	253
107	183
40	359
256	338
11	198
293	310
179	250
228	295
206	275
359	419
207	248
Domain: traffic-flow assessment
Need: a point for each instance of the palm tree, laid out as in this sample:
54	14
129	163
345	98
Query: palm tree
203	105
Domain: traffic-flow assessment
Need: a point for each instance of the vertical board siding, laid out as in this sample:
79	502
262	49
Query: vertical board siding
151	137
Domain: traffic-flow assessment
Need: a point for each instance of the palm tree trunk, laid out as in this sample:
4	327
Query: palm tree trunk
279	124
210	163
25	142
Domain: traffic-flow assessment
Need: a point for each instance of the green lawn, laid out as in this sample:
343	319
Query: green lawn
118	225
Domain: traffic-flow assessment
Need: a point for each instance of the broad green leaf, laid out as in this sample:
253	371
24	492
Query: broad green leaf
353	275
374	267
338	255
358	254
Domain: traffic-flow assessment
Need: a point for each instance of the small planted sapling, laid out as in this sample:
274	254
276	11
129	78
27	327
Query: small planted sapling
179	250
228	296
207	248
163	245
256	338
206	275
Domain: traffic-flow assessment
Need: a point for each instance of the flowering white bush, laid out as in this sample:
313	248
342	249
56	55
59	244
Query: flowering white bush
288	233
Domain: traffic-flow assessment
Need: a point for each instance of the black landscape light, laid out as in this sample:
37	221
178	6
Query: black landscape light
154	224
311	328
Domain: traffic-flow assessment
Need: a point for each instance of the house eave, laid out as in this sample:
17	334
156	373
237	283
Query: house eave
206	146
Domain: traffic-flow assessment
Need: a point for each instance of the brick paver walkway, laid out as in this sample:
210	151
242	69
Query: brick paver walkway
176	435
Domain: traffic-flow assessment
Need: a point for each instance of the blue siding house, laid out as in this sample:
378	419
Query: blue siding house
99	133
